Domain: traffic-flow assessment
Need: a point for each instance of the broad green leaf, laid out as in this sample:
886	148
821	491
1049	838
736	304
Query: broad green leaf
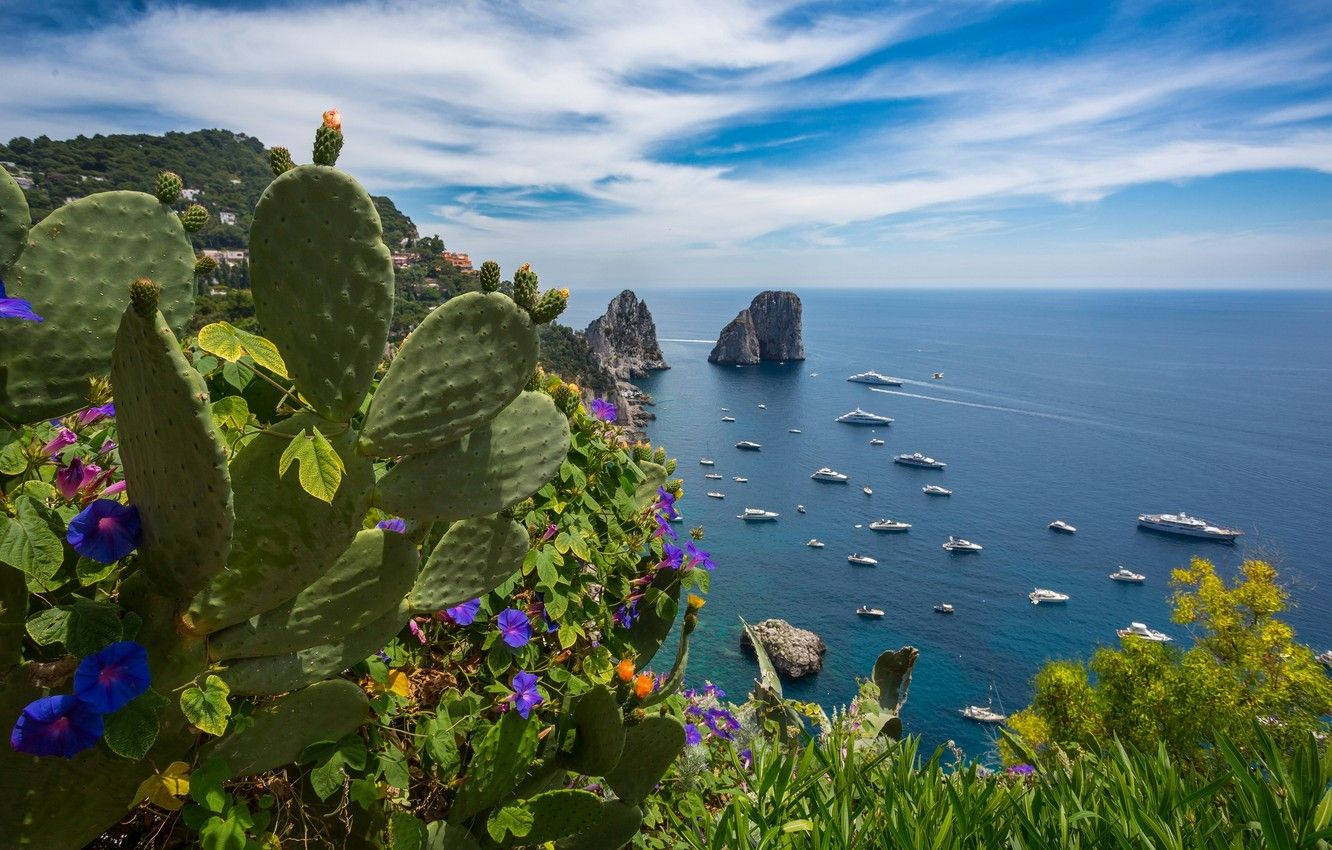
319	466
28	543
515	818
165	789
222	340
13	460
92	626
237	375
327	779
393	768
406	832
263	352
131	731
598	666
206	785
364	793
231	412
207	707
221	833
49	626
89	572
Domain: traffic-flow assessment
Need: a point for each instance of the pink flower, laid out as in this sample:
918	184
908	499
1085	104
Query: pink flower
416	630
118	487
74	478
551	531
63	438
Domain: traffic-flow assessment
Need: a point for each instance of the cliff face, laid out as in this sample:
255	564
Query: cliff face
624	343
770	329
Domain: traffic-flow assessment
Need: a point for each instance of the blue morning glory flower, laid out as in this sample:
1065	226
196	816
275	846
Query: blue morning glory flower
16	308
105	531
672	556
464	614
56	726
397	524
112	676
92	414
693	737
514	627
604	410
721	722
525	694
698	557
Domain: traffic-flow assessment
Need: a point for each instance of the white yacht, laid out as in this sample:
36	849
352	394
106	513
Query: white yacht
866	490
957	544
862	417
982	714
1127	575
748	446
866	611
862	560
715	495
800	509
1140	630
943	608
1189	526
889	525
815	543
740	479
757	515
1060	525
706	461
763	407
713	475
1044	594
918	459
794	431
726	410
823	473
876	379
728	418
876	442
935	490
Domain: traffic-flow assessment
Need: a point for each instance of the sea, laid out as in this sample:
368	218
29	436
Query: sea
1086	406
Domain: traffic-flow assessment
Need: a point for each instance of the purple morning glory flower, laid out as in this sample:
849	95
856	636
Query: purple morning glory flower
397	524
693	737
721	722
107	448
626	614
525	694
1022	769
64	437
105	531
666	502
92	414
664	528
550	532
746	757
71	479
604	410
56	726
672	556
714	691
415	629
698	557
16	308
514	627
112	676
464	614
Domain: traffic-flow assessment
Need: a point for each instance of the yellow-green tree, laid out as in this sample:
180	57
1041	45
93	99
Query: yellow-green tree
1245	665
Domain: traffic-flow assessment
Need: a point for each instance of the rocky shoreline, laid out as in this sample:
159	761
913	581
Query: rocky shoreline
623	341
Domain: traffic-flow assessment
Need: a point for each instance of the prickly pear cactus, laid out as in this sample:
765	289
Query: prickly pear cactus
15	219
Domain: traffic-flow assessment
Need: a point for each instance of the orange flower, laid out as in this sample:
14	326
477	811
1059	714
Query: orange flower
333	119
644	684
625	669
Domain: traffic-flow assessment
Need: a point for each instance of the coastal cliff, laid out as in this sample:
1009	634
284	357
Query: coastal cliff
793	652
769	329
624	342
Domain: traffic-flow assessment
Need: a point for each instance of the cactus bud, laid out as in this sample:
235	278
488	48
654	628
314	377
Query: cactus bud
696	602
525	287
644	685
670	466
573	388
204	265
328	139
168	187
333	119
625	670
551	305
143	296
659	455
194	218
279	159
642	452
490	276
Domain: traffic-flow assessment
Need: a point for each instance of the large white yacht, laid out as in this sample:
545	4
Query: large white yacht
918	459
713	475
740	479
862	417
889	525
862	560
757	515
728	418
715	495
875	378
1189	526
866	611
982	714
876	442
957	544
794	431
1126	575
823	473
1061	526
748	446
935	490
1044	594
815	543
706	461
1140	630
944	608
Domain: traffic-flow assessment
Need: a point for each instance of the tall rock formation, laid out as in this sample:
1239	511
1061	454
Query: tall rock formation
769	329
624	342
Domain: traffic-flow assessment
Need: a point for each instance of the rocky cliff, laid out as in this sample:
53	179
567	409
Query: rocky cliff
794	652
624	343
769	329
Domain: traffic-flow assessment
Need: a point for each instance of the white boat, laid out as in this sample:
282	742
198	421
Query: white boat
706	461
823	473
918	459
982	714
815	543
938	376
726	410
1044	594
1060	525
866	490
1127	575
889	525
1189	526
763	407
794	431
876	442
935	490
741	479
862	560
863	417
876	379
757	515
1140	630
748	446
957	544
728	418
943	608
800	508
866	611
715	495
714	476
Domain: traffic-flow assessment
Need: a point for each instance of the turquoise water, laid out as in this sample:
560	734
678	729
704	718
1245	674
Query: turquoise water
1092	407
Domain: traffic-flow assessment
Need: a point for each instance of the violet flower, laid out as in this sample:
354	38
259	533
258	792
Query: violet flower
112	676
71	479
92	414
464	614
63	438
550	532
693	737
514	627
698	557
118	487
16	308
396	524
105	531
1022	769
672	556
56	726
604	410
525	694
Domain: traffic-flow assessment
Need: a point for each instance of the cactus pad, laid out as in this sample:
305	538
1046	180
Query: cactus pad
175	468
616	826
463	364
322	280
370	578
280	730
500	463
657	612
649	749
74	271
556	814
472	558
284	538
599	733
892	673
15	219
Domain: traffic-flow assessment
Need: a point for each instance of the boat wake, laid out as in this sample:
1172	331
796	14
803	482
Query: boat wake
1037	413
679	339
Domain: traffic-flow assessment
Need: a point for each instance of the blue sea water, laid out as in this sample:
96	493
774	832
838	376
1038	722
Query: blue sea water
1089	406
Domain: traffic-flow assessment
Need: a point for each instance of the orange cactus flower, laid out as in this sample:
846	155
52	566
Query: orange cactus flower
333	119
644	685
625	669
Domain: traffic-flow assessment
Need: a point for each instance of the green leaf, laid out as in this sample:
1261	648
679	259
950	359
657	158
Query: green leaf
231	412
92	626
515	818
222	834
222	340
29	544
132	731
393	768
207	707
263	352
89	572
237	375
13	460
364	793
49	626
206	785
440	745
327	779
320	466
406	832
598	666
352	751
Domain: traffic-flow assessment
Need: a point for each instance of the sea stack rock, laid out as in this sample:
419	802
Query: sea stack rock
769	329
624	343
794	652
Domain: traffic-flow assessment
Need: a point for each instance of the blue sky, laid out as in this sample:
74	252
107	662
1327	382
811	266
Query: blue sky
724	142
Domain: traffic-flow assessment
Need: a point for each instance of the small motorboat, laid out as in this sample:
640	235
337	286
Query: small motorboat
938	376
815	543
1044	594
800	509
706	461
1140	630
763	407
794	431
813	374
866	611
876	442
740	479
728	418
943	608
1061	526
957	544
1126	575
935	490
713	475
889	525
716	495
866	490
982	714
757	515
748	446
862	560
726	410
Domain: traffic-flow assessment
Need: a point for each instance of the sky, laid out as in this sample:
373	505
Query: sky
727	142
